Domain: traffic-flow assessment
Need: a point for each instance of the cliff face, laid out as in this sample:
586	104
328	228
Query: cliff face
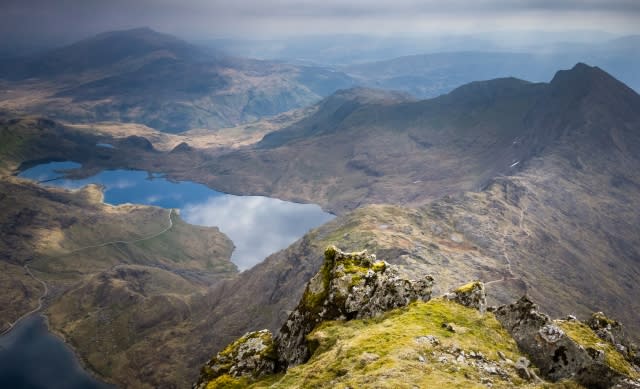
359	324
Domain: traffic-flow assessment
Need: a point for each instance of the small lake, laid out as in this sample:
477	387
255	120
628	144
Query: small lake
258	226
33	358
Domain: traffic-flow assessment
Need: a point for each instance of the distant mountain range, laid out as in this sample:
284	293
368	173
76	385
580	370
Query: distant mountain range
429	75
155	79
146	77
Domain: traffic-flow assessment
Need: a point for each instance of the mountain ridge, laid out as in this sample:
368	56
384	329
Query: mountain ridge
146	77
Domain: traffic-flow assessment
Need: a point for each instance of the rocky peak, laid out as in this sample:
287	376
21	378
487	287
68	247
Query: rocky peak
348	286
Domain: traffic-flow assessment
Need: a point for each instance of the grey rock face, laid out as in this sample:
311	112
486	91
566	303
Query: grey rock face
471	295
612	331
556	354
348	286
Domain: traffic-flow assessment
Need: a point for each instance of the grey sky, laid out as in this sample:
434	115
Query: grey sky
71	19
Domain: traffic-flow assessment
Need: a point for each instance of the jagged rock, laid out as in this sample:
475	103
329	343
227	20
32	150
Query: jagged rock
348	286
554	352
471	295
613	332
551	333
253	355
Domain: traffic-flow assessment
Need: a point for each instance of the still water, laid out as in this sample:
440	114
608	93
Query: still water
258	226
33	358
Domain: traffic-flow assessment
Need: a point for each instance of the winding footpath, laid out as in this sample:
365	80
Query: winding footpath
510	275
45	292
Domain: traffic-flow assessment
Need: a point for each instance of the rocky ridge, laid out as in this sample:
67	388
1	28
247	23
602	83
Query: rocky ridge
527	348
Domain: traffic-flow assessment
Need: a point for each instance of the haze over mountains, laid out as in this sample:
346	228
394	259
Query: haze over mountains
155	79
529	186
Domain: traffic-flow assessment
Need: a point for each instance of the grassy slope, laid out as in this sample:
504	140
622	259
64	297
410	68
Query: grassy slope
393	352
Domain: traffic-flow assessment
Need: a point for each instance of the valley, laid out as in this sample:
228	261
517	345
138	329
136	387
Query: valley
530	187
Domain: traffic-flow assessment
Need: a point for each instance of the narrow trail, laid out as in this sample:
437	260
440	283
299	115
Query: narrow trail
46	287
509	269
45	293
122	241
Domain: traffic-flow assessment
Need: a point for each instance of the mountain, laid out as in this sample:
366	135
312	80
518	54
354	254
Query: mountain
435	73
530	188
146	77
99	52
555	218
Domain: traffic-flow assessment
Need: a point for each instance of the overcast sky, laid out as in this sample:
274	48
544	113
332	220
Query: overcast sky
72	19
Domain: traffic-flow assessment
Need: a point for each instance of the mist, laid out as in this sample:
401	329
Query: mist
39	23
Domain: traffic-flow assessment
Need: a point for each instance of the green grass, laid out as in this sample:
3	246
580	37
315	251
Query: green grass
383	352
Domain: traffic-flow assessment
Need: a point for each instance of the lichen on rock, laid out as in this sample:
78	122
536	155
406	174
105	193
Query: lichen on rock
348	286
470	295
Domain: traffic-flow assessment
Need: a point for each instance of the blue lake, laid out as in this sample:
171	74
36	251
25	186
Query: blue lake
32	358
258	226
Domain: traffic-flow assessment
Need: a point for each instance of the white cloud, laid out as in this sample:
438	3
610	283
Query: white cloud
258	226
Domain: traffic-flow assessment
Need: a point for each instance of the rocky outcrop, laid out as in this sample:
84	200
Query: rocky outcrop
471	295
613	332
594	354
348	286
253	355
564	349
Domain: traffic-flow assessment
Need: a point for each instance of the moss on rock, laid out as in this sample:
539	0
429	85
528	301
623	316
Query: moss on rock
251	356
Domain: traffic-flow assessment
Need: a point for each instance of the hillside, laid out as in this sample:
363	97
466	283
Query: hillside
142	76
118	280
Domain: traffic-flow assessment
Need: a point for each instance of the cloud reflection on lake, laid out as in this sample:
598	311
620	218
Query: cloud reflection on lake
258	226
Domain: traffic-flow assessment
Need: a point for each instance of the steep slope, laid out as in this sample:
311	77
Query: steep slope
155	79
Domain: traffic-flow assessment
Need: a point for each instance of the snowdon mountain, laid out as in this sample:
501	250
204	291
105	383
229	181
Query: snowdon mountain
146	77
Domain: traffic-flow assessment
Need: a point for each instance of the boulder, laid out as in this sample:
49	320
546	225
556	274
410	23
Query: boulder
471	295
563	349
253	355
